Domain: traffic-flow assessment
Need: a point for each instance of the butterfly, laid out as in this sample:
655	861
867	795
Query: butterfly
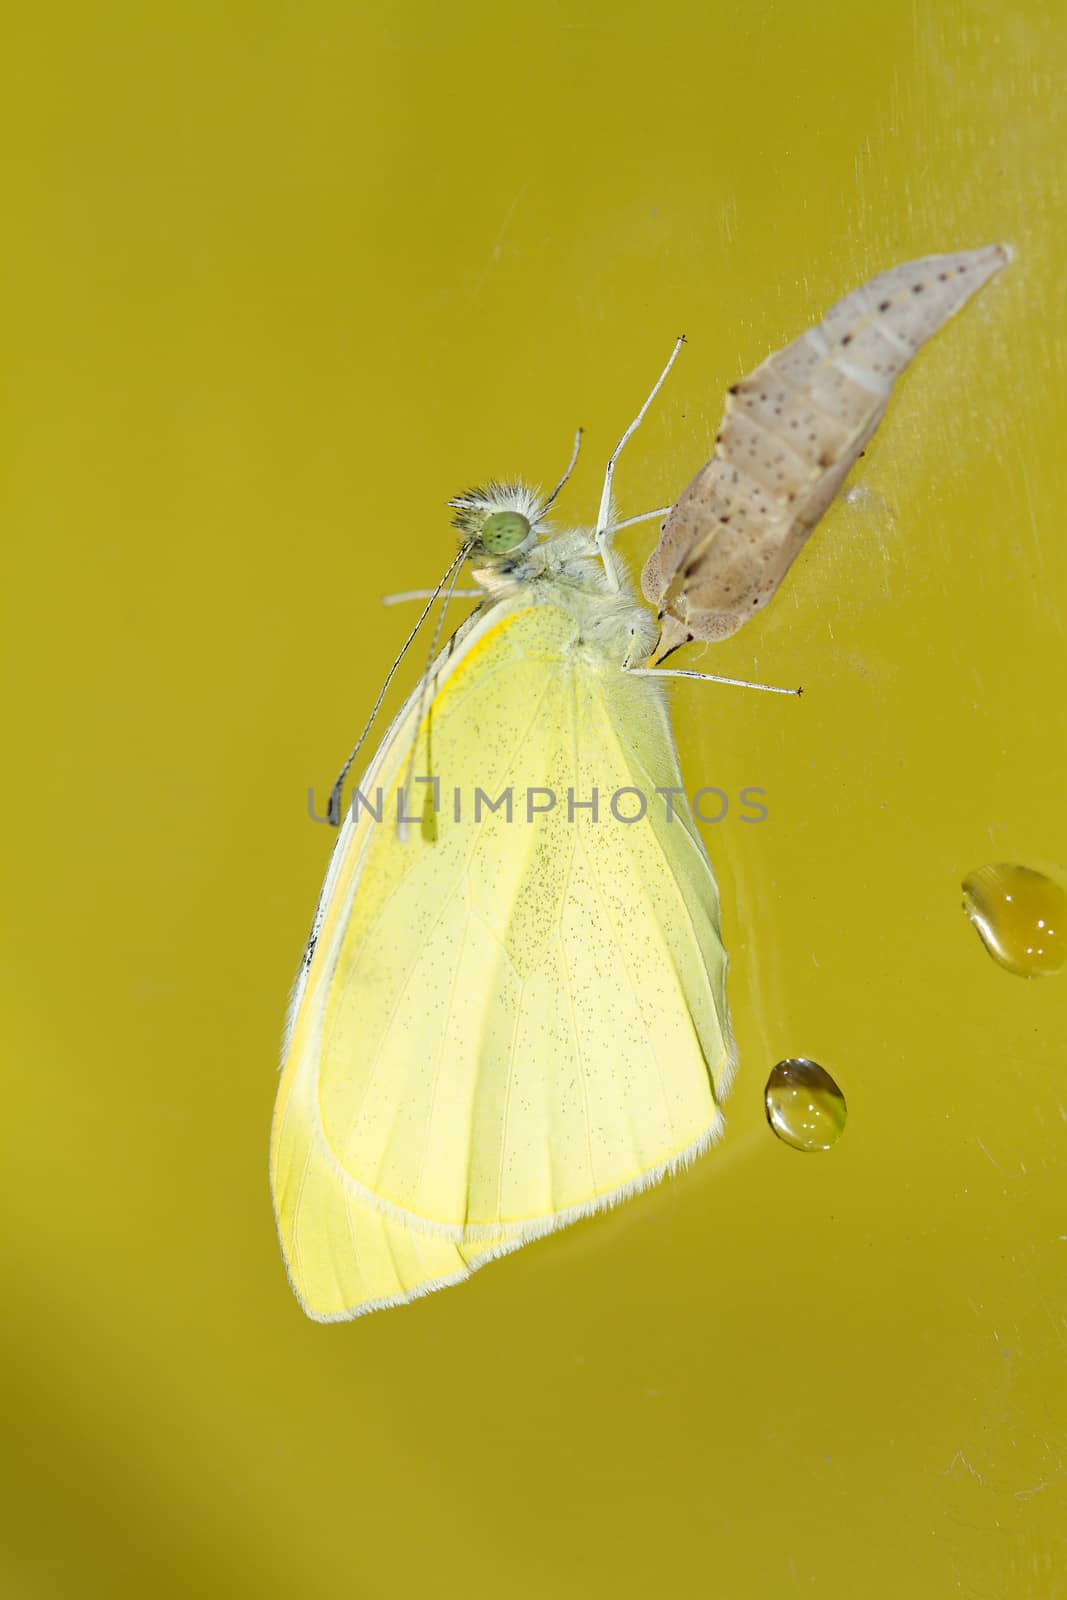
511	1011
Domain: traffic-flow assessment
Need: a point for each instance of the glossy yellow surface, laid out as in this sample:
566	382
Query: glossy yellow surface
278	281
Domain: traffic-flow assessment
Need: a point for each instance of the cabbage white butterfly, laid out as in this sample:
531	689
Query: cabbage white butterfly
512	1010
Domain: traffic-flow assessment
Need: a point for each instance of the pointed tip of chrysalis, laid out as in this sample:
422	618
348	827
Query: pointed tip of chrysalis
673	634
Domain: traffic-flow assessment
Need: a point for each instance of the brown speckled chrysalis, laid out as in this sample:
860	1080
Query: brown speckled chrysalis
791	432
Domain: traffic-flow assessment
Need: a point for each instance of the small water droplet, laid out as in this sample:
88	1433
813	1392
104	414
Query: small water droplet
1021	917
804	1105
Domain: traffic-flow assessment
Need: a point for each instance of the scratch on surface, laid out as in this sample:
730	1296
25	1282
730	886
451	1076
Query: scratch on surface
497	245
961	1459
1053	1319
1019	1173
1045	589
985	1152
1028	1494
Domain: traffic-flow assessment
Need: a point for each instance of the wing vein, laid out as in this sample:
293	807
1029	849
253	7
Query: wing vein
412	966
582	1074
697	845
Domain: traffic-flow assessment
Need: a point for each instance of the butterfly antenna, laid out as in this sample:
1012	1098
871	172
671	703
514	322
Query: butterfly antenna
570	468
424	682
603	519
334	808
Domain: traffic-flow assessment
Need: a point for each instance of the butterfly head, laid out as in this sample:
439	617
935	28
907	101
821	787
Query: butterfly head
501	521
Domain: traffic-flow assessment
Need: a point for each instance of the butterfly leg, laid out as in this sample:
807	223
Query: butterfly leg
708	677
631	522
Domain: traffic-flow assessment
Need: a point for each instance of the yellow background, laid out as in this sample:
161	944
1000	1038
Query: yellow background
276	282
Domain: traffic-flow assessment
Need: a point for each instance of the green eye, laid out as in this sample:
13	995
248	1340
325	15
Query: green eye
504	531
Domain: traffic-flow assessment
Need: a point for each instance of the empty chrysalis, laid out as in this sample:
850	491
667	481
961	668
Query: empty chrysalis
791	432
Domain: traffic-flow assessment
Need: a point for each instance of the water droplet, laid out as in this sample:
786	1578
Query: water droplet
1021	917
804	1105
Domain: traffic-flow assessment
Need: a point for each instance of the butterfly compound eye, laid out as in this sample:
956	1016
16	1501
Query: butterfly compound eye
504	531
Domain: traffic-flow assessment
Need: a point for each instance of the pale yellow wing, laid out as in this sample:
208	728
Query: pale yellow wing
791	433
514	1022
344	1258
